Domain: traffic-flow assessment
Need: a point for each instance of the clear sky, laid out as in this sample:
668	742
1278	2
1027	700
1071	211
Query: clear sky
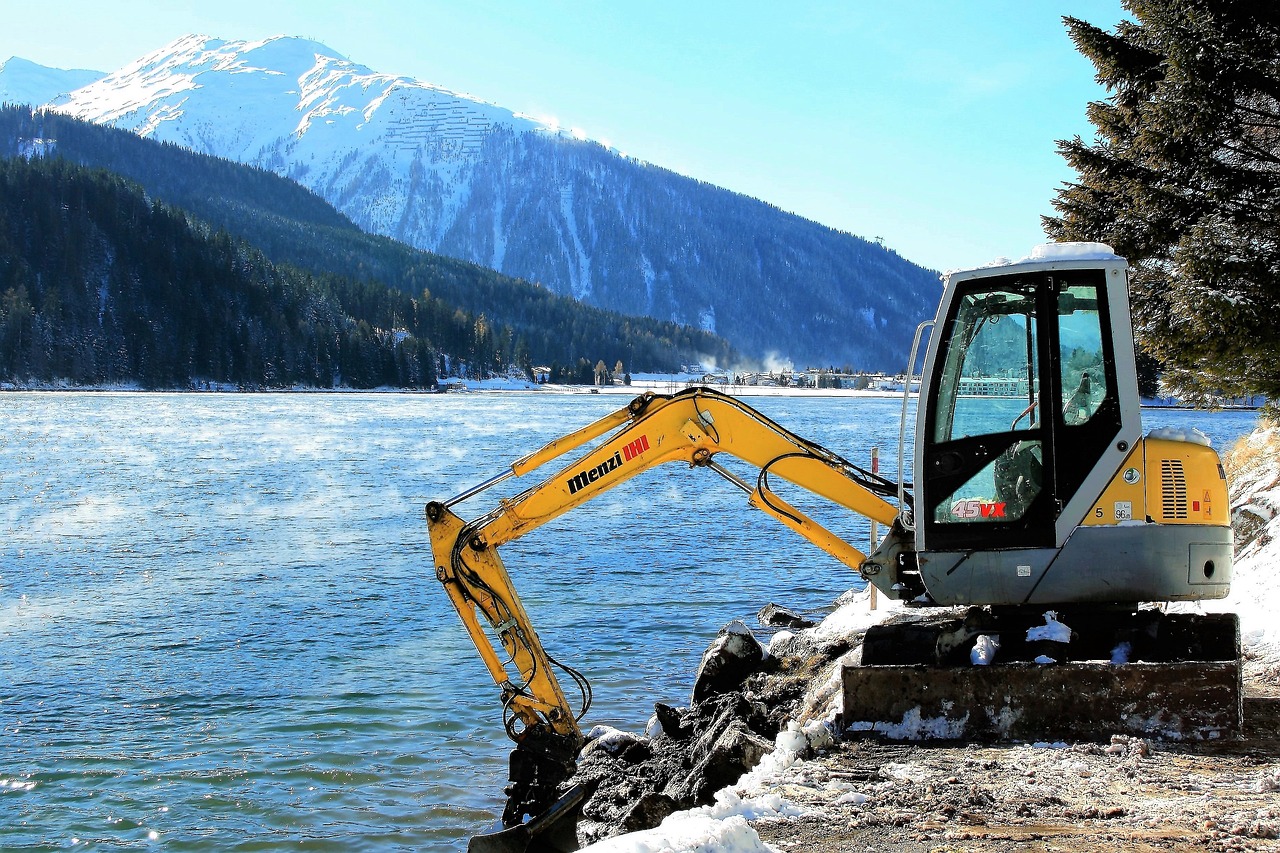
929	124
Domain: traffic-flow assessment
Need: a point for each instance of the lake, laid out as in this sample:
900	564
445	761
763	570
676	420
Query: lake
220	626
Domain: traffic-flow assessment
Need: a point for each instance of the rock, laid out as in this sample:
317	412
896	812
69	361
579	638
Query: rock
672	721
649	811
776	616
733	753
637	753
733	734
690	752
731	657
625	745
785	644
715	716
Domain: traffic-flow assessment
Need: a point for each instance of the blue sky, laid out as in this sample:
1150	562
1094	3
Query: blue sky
929	125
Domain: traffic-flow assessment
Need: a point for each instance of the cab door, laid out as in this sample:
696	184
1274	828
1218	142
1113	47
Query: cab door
1021	405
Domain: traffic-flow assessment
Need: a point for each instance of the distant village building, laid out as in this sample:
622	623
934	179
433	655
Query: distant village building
992	386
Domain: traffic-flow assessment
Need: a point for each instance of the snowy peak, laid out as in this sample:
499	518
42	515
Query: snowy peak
191	55
26	82
246	92
246	100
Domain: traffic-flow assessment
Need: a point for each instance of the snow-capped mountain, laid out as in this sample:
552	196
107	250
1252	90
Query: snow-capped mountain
452	174
25	82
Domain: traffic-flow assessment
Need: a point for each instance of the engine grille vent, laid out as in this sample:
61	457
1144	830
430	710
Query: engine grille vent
1173	485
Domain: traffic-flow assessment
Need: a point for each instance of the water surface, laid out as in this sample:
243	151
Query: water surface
220	628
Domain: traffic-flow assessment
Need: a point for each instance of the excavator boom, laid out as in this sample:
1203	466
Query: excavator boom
692	426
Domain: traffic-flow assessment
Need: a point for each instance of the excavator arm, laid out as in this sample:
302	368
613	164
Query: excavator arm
691	426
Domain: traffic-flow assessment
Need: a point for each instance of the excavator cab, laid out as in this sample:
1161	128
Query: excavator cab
1034	484
1028	403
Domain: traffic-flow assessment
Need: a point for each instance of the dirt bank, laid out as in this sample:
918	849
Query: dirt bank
1131	794
860	793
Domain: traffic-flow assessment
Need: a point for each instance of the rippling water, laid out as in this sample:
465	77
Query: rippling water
220	629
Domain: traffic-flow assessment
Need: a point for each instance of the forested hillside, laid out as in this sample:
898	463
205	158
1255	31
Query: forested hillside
458	311
99	284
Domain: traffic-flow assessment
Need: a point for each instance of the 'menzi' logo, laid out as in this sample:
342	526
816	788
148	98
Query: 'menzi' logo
631	451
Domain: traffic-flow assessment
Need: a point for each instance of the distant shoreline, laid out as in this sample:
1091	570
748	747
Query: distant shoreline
487	386
507	386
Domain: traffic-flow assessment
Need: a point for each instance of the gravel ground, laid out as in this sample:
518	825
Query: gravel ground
1130	794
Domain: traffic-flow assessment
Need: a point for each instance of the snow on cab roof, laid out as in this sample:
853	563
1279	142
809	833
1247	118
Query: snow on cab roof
1054	252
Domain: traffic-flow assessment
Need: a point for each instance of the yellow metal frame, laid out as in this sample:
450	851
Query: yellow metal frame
1137	492
691	427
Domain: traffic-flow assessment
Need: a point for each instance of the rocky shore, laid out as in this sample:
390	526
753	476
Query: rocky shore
742	701
755	763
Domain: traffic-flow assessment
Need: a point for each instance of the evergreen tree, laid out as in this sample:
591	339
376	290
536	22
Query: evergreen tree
1183	178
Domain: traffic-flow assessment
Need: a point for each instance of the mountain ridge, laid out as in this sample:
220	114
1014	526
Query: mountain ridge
25	82
471	180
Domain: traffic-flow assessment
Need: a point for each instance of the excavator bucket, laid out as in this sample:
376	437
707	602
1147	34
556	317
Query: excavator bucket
553	831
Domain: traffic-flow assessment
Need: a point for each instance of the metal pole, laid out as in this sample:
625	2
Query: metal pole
875	528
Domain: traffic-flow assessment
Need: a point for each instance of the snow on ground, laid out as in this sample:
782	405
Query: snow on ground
1254	468
1255	595
718	828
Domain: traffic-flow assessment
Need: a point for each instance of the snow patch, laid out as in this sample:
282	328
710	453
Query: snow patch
1055	252
646	270
984	650
915	726
853	614
1052	630
1120	654
1191	435
579	273
707	319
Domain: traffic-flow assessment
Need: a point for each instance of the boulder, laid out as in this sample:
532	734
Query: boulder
649	811
671	721
776	616
734	752
732	734
690	752
630	747
785	645
732	656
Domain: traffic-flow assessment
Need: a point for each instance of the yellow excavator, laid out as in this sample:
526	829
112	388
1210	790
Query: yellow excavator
1033	490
